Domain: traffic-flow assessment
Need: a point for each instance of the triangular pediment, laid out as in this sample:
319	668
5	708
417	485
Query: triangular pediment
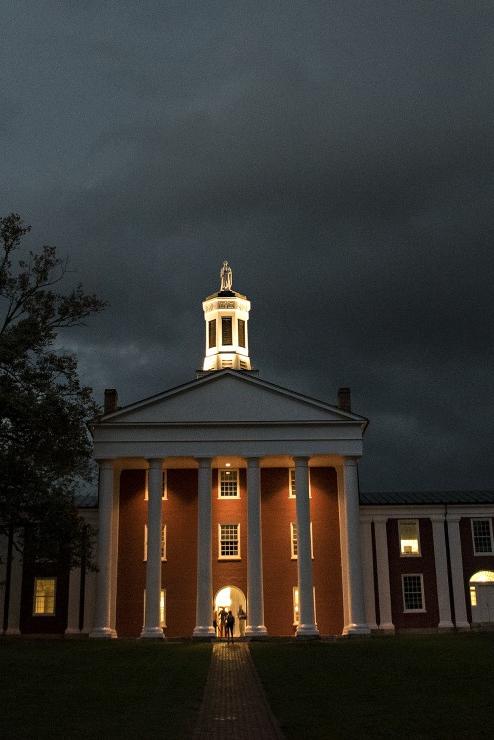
229	397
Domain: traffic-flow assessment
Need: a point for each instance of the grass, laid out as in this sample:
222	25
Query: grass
98	689
427	686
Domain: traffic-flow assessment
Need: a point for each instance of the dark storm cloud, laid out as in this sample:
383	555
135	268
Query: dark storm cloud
340	155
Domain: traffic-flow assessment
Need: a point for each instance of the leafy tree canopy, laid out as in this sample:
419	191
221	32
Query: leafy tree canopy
45	445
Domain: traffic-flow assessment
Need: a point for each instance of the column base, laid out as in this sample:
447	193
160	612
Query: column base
462	625
445	625
72	632
152	633
103	633
203	632
256	630
387	627
12	631
356	630
307	631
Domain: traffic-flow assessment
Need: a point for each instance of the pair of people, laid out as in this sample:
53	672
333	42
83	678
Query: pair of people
223	623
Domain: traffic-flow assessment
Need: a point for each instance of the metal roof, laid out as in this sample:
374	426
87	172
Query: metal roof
426	497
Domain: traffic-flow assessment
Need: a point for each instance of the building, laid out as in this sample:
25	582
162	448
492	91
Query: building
230	491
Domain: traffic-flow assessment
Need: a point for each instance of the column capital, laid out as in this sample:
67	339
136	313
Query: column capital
155	462
380	519
437	518
204	462
105	463
301	461
253	462
350	461
453	518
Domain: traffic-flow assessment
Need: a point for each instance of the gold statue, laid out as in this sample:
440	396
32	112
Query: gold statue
226	276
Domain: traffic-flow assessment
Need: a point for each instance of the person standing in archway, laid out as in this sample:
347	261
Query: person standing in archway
242	617
230	623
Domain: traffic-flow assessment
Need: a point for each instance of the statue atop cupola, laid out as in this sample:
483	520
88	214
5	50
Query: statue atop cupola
226	314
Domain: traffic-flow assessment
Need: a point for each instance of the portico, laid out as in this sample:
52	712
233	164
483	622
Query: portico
269	431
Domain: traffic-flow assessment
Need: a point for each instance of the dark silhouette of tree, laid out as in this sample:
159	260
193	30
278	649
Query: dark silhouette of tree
45	446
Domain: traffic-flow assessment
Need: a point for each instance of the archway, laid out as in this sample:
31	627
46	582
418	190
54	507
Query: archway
231	599
482	596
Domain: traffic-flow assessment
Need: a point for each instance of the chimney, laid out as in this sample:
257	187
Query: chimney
344	399
111	400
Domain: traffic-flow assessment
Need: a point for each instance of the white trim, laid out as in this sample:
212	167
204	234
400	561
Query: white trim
229	557
164	495
416	522
481	519
163	543
415	575
294	555
228	471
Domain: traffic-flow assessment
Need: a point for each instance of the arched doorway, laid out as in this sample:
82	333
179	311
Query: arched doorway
231	599
482	596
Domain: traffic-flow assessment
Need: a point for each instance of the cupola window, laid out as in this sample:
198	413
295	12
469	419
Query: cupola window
241	333
212	333
226	330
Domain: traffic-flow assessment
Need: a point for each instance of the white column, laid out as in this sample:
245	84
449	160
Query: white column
307	624
102	622
356	612
255	598
457	576
16	573
441	562
343	543
368	573
382	567
204	599
152	627
74	602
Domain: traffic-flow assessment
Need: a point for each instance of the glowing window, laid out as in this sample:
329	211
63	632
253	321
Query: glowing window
482	536
473	596
228	487
44	597
212	333
226	330
164	495
296	605
162	607
413	592
293	535
229	541
292	491
409	537
241	333
163	542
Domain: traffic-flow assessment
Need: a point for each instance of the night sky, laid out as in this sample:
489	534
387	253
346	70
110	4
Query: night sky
338	154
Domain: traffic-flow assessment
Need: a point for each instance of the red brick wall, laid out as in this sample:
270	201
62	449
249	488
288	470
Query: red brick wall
424	564
471	563
179	571
280	571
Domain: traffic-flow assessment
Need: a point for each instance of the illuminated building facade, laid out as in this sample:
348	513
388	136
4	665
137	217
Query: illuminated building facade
230	492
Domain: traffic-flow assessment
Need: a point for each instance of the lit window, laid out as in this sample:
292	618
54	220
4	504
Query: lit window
413	593
226	330
163	542
164	494
482	536
212	333
162	607
228	484
293	534
241	333
473	596
229	541
296	606
44	597
292	491
409	537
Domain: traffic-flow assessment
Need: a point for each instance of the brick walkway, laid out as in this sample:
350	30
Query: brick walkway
234	706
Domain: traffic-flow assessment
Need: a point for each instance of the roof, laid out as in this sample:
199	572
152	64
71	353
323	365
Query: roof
426	497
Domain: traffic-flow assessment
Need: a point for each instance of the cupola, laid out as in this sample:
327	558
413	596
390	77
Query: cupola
226	314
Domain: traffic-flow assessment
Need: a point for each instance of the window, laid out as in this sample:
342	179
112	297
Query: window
413	593
226	329
163	542
44	597
164	495
292	491
296	606
228	487
293	535
482	536
162	607
212	333
229	541
241	333
409	538
473	596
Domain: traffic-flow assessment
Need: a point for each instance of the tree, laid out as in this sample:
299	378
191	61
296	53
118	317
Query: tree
45	444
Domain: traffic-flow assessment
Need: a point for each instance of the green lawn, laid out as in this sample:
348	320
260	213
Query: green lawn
99	689
427	686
